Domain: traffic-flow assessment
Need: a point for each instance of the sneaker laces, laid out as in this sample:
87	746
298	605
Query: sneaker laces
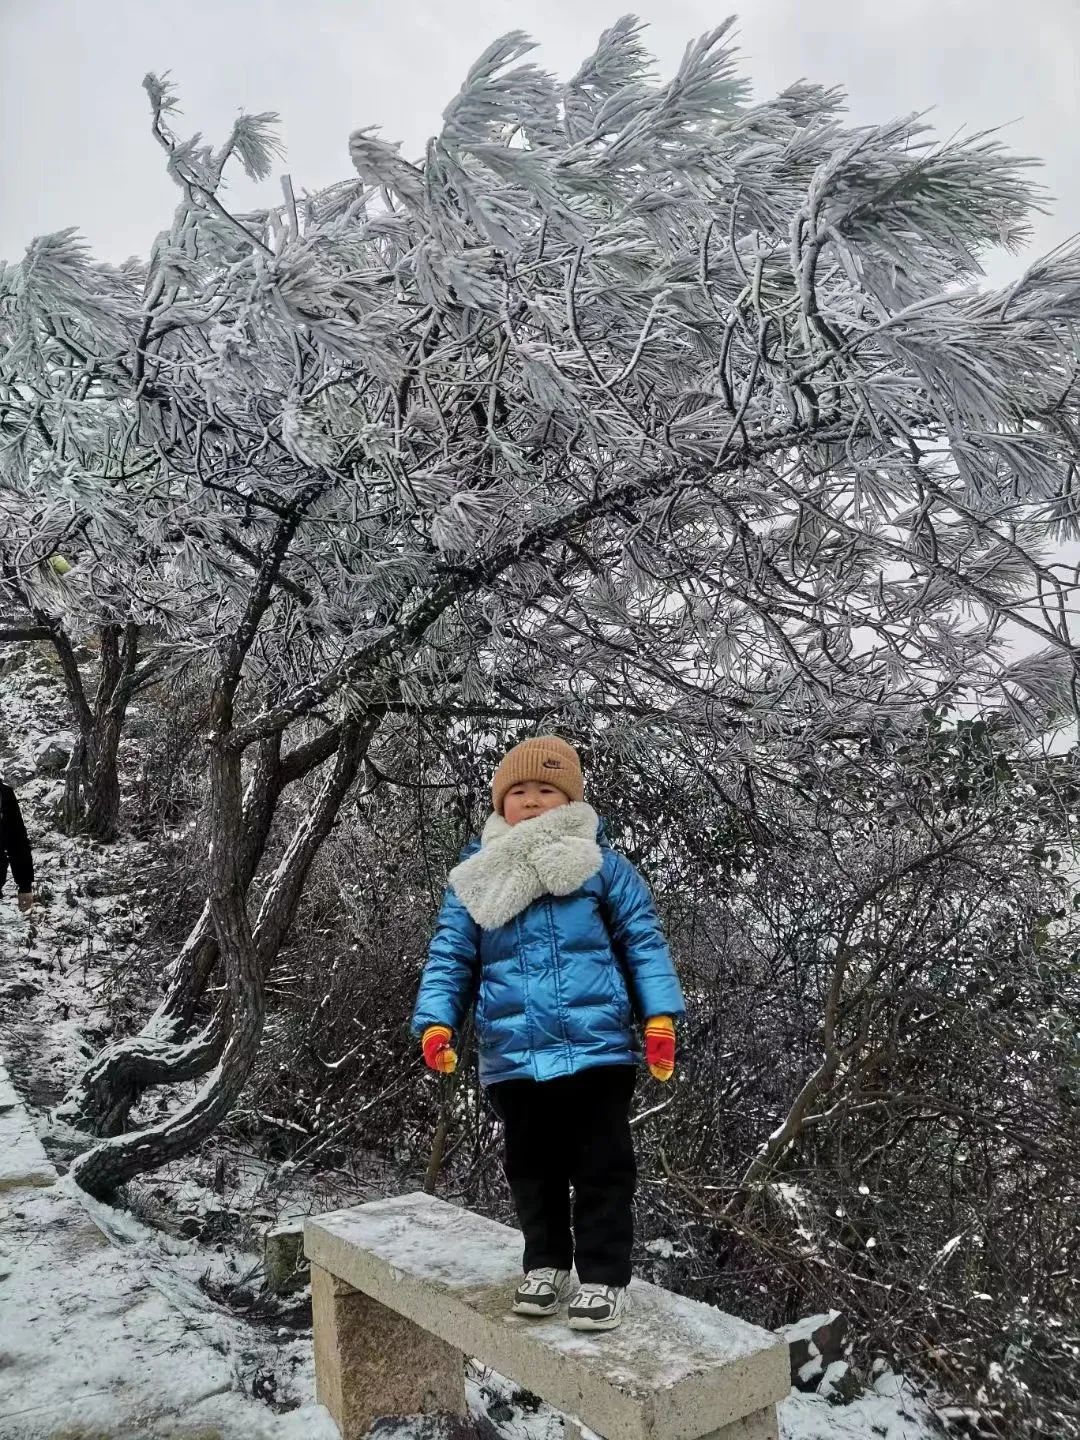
535	1278
593	1290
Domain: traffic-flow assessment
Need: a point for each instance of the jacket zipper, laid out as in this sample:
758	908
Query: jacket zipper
520	933
557	971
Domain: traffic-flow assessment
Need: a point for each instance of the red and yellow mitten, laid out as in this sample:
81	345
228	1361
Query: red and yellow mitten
660	1046
439	1054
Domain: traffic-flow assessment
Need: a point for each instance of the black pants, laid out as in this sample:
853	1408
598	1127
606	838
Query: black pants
574	1131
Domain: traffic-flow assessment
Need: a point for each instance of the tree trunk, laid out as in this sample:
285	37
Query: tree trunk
115	688
91	781
198	959
73	781
75	773
101	816
438	1149
116	1078
114	1081
248	956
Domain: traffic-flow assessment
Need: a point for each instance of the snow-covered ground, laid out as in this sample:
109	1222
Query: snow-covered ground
104	1330
111	1328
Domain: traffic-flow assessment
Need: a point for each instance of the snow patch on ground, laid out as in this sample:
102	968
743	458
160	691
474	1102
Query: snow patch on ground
899	1415
104	1331
902	1416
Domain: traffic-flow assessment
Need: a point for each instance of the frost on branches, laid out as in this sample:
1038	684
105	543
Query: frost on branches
627	402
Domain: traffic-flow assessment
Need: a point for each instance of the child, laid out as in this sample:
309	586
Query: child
557	938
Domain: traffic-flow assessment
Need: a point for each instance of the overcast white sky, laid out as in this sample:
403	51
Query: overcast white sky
75	146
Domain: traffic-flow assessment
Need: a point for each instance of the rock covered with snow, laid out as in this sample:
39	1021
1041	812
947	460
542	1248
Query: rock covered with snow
815	1343
840	1384
52	755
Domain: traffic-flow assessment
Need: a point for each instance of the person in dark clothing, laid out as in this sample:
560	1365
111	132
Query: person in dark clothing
555	937
15	848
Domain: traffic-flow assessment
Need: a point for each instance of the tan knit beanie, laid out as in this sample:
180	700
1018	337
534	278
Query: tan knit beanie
545	758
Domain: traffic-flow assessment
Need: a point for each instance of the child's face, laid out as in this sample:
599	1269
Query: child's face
529	799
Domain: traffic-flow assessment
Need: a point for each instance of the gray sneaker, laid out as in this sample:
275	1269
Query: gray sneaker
541	1292
597	1307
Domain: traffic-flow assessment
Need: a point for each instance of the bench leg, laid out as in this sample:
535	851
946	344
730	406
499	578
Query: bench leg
370	1361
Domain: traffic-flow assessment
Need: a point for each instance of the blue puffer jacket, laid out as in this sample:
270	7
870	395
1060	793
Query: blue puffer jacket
556	938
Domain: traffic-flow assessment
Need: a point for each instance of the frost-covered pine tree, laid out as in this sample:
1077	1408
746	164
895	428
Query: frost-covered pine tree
627	399
84	612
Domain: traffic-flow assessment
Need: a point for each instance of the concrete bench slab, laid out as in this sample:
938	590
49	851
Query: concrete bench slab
675	1370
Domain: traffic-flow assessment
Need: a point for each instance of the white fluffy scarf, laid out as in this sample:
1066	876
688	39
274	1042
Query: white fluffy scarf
550	855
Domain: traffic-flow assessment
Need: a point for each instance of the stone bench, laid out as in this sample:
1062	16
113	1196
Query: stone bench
404	1289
